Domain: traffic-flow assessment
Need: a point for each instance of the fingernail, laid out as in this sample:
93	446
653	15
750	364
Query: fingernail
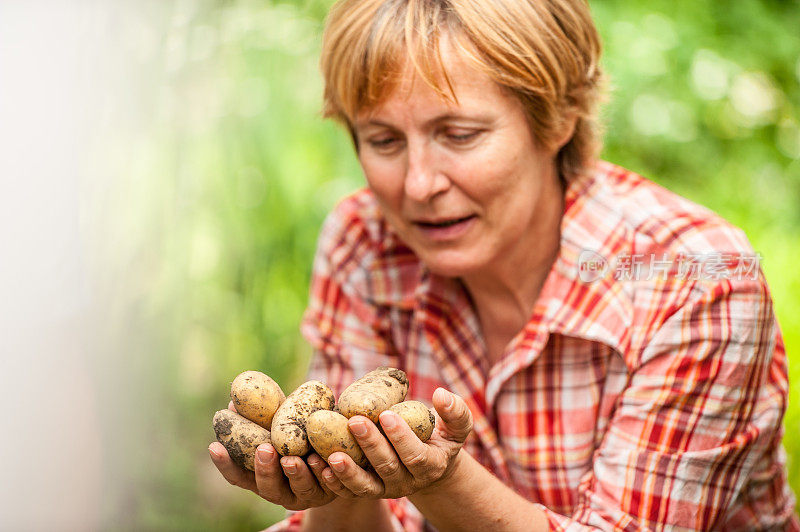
265	455
358	428
214	455
388	420
327	475
451	400
338	466
449	397
313	461
289	468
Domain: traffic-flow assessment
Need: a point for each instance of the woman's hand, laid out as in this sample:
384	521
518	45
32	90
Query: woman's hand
403	464
300	488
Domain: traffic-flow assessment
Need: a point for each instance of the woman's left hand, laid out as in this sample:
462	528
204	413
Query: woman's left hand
402	464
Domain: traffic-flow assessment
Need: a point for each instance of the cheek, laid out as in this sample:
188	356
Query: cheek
496	169
384	180
494	181
510	190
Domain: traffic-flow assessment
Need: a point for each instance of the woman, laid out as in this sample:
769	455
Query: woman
623	399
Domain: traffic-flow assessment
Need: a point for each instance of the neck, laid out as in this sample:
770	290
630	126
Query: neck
505	295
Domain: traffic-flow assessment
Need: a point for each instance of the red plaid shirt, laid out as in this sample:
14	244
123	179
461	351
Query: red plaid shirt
624	404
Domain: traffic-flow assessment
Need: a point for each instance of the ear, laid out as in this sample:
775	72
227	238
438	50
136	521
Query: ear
568	124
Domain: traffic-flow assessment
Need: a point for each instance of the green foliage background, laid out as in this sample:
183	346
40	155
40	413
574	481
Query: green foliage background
235	171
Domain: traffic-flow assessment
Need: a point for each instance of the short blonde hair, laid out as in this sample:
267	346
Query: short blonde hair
546	52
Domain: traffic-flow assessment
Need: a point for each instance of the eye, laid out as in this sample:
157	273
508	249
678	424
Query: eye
460	136
385	145
381	143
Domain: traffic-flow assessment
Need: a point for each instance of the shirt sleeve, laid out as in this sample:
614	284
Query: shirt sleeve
699	418
348	333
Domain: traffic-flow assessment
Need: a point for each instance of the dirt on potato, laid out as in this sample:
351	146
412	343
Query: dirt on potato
240	437
373	393
289	423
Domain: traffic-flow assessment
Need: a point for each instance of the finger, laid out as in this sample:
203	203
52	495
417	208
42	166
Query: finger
454	413
378	450
234	474
302	481
333	483
269	479
232	406
413	454
317	466
359	482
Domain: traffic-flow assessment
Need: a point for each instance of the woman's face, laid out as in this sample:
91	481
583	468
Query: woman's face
465	186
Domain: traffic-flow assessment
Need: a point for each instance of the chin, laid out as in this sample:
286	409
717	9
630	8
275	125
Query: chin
450	264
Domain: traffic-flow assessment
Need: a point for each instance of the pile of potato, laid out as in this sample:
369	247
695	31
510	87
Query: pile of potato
309	417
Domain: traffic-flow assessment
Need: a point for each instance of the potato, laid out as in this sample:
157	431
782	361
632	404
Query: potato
289	423
328	432
418	416
256	397
373	393
240	436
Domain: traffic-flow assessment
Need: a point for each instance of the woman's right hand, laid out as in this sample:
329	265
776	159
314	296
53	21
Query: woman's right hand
301	487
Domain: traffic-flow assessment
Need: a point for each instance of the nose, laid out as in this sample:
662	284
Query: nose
424	179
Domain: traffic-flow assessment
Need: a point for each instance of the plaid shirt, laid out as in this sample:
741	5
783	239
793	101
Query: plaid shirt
625	403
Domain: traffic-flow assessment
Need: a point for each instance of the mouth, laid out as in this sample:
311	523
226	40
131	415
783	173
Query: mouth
443	223
445	230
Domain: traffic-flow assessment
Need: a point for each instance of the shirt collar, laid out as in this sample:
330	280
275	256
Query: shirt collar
580	298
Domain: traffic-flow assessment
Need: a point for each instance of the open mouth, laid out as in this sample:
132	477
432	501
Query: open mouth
446	223
446	230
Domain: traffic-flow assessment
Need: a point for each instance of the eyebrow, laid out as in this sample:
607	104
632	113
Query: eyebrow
428	123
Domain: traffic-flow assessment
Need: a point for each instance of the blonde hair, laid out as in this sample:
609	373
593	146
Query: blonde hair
546	52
